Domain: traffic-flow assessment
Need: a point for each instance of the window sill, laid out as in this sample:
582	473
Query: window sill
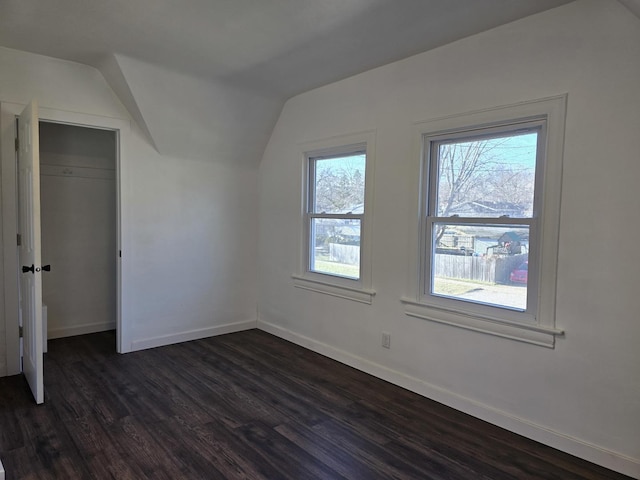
341	291
527	333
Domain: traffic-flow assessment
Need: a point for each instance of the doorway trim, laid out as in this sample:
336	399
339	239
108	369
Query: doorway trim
9	264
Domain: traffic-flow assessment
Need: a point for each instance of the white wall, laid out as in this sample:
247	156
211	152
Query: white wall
189	226
584	395
194	253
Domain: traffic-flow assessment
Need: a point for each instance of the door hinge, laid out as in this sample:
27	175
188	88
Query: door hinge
21	331
19	239
17	143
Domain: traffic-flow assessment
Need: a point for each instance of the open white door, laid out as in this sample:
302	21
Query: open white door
29	250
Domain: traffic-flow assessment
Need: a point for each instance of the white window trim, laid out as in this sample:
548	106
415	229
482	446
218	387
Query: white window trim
539	329
358	290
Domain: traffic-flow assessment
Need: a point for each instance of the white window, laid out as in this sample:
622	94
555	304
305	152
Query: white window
489	208
335	210
336	236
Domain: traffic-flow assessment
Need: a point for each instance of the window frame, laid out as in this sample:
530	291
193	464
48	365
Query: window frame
357	289
311	215
430	200
536	324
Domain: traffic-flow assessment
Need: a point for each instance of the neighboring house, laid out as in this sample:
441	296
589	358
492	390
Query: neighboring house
469	239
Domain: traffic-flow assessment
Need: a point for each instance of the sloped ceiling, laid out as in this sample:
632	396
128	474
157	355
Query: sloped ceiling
207	78
633	5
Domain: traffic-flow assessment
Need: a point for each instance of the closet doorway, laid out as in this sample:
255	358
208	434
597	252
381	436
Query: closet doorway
78	189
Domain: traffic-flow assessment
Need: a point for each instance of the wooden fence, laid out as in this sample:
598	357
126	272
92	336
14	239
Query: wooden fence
348	254
490	269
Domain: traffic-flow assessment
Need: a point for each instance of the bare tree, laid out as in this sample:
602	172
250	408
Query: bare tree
463	169
477	171
460	175
339	188
515	185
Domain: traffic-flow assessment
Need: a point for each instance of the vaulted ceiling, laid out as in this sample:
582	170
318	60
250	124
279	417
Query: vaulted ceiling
207	78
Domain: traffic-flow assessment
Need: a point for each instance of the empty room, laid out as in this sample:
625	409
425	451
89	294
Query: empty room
320	239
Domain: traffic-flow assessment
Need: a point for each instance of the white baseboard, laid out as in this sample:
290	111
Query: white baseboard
1	471
187	336
83	329
592	453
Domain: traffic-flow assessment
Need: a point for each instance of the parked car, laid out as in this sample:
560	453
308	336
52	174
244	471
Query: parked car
520	274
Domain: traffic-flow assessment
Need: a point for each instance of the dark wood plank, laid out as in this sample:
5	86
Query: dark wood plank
247	406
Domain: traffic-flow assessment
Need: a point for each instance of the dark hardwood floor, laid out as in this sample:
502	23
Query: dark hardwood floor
247	406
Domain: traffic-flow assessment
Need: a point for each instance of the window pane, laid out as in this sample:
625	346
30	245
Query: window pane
487	177
335	248
482	264
339	184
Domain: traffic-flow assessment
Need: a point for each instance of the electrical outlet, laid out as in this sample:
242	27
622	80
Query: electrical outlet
386	339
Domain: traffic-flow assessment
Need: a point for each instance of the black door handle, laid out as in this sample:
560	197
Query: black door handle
32	269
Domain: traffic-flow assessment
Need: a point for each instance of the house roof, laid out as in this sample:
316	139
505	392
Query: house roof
484	207
510	237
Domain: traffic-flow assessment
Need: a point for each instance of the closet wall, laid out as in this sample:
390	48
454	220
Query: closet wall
78	208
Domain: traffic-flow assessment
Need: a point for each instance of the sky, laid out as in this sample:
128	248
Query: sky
516	151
